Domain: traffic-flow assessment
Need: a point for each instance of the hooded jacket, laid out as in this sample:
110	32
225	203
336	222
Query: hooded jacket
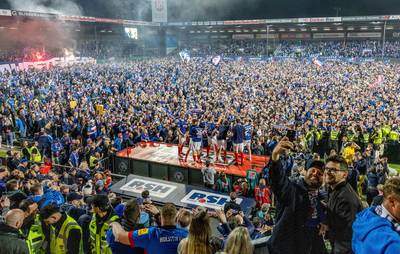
374	234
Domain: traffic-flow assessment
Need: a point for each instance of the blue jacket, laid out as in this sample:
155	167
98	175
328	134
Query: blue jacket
374	234
19	124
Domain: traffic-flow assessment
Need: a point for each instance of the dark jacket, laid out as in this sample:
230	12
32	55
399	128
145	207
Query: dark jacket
11	241
232	205
84	222
292	235
225	229
343	205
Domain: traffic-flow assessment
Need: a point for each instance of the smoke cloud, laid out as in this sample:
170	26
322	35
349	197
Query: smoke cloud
41	33
125	9
66	7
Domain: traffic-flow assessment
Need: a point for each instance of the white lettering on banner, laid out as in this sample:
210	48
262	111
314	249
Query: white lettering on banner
242	36
156	189
328	35
207	199
159	10
4	12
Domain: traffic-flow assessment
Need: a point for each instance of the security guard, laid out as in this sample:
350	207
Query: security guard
65	233
103	216
36	238
334	139
154	240
32	228
386	131
393	137
35	153
364	139
351	135
392	145
377	138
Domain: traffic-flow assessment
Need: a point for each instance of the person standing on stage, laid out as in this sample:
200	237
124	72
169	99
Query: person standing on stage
248	131
196	137
214	142
210	127
182	129
221	139
237	139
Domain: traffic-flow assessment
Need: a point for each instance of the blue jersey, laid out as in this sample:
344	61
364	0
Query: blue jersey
182	126
210	128
195	133
222	132
238	134
248	131
163	240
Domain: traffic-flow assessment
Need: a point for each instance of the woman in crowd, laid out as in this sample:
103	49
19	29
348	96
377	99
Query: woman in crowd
239	242
198	240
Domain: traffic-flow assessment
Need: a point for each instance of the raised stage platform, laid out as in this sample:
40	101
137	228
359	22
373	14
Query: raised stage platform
161	161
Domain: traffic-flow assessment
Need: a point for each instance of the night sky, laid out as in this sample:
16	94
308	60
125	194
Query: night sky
186	10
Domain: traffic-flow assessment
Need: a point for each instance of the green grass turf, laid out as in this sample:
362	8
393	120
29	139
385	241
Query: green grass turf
395	166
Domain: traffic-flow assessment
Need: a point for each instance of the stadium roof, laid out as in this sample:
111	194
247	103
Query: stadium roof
5	12
319	24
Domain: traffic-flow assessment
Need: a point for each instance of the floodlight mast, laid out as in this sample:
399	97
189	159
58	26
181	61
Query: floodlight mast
384	40
268	40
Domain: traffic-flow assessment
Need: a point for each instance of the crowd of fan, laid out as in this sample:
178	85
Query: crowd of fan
78	115
75	112
348	49
233	48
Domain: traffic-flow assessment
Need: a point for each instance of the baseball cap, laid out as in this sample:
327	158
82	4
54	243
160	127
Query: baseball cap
317	164
74	196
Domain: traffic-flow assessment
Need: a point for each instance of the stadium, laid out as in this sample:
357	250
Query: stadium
199	127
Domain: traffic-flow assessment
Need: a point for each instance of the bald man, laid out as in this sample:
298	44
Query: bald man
11	241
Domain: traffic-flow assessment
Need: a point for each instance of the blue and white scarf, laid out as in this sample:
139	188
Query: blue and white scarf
382	212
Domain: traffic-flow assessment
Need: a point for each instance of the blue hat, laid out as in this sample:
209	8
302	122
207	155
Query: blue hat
23	160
